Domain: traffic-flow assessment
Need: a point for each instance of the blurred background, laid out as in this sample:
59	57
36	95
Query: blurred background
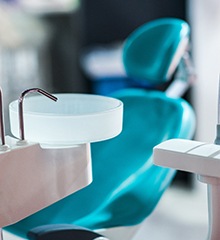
75	46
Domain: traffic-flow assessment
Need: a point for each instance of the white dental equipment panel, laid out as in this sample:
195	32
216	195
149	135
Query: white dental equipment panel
187	155
202	159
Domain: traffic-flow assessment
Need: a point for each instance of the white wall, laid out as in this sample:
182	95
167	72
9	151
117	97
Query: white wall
204	18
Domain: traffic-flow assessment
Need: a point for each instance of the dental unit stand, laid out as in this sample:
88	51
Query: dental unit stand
18	156
202	159
34	175
20	150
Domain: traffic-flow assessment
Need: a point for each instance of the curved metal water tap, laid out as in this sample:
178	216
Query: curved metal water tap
20	106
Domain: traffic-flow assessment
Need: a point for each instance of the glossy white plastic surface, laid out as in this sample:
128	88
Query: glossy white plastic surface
73	119
32	178
202	159
187	155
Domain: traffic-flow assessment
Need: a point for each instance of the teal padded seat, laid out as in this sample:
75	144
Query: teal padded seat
126	185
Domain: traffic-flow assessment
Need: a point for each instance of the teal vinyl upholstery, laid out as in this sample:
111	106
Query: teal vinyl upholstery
150	50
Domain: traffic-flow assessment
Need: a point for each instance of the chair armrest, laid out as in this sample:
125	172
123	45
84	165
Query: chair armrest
64	232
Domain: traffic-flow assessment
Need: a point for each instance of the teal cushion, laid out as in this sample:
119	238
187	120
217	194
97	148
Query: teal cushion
149	51
126	185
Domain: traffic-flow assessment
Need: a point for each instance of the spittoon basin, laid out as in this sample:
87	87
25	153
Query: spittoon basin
73	119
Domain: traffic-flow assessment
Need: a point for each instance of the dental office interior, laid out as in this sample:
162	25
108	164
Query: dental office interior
75	46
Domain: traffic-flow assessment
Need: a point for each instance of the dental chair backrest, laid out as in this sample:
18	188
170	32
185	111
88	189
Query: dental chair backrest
153	51
126	185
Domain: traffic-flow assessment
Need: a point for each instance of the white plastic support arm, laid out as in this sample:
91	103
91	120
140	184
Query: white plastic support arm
199	158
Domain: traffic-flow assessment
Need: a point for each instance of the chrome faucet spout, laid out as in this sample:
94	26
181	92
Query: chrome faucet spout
20	106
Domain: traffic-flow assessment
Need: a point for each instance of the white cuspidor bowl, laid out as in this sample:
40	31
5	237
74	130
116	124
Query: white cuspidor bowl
73	119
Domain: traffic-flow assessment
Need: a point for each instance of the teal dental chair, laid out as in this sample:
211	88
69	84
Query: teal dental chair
126	185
